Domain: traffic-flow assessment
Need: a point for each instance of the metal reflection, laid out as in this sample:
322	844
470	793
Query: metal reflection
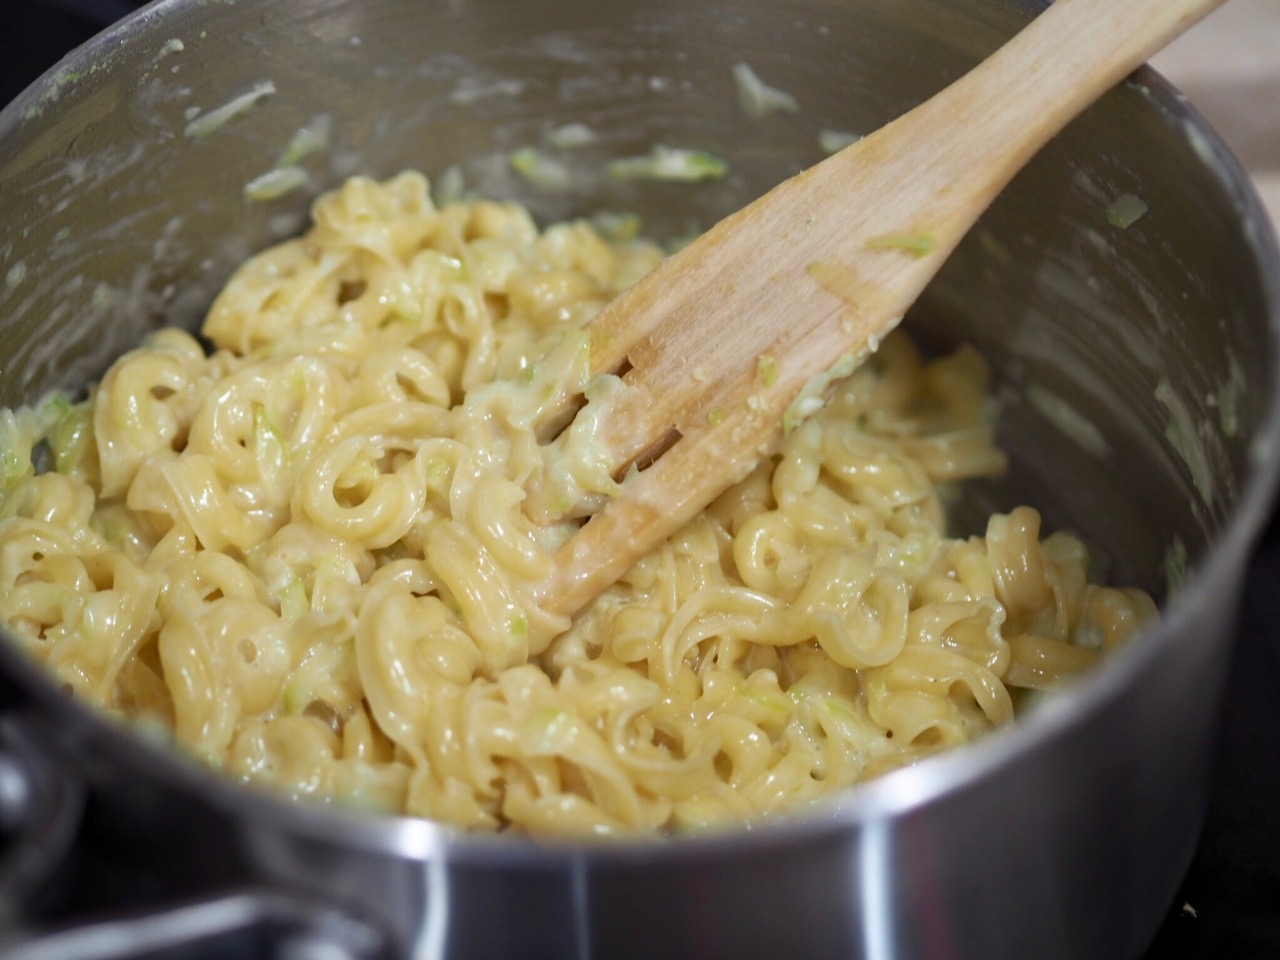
433	940
875	883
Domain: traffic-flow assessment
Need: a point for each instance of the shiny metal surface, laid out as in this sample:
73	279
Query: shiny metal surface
1063	838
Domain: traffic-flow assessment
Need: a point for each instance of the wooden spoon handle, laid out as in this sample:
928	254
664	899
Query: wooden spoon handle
738	337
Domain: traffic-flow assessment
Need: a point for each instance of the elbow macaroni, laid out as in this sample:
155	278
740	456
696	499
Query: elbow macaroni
311	553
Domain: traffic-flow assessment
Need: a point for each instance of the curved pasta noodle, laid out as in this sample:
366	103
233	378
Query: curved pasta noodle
313	554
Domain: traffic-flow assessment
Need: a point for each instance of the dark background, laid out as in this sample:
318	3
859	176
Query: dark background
1229	905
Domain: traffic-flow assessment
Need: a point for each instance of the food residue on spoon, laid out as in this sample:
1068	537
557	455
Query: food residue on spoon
767	369
838	280
813	395
918	243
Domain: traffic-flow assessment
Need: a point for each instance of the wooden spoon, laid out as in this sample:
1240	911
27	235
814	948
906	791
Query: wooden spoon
734	339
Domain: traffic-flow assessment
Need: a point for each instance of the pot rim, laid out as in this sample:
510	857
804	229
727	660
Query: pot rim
891	795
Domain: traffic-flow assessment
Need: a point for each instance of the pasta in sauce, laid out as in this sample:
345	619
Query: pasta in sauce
310	552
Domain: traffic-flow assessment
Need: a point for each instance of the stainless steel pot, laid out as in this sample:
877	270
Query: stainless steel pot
1138	366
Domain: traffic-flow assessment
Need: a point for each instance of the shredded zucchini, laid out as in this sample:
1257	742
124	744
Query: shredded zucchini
202	126
275	184
833	141
1126	210
617	227
757	98
917	243
670	163
544	172
571	136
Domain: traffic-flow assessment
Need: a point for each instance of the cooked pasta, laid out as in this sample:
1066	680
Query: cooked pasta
311	552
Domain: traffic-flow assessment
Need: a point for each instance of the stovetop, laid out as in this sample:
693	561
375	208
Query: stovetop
1228	906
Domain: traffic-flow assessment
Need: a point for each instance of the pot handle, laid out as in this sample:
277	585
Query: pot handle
251	922
41	803
41	806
